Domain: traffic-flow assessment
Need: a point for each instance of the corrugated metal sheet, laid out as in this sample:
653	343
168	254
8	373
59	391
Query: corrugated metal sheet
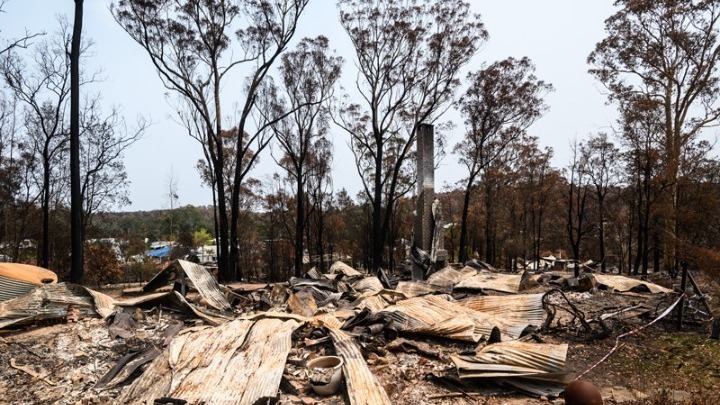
143	299
302	303
622	283
438	316
545	362
49	301
240	362
448	276
212	319
368	285
416	289
11	288
521	310
374	303
342	268
492	281
200	278
104	304
362	386
328	320
206	285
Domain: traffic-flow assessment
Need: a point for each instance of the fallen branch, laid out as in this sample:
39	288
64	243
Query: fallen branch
31	372
576	313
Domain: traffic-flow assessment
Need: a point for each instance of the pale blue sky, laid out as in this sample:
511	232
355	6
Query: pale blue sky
556	34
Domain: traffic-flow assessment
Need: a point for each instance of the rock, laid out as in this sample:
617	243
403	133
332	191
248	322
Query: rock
621	394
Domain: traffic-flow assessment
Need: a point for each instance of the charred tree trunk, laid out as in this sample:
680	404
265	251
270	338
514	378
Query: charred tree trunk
299	223
377	218
76	211
462	256
45	243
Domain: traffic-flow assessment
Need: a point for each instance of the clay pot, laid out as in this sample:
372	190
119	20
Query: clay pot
582	393
329	369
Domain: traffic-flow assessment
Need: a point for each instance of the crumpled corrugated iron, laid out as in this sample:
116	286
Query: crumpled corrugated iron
52	301
17	279
622	283
486	280
416	289
449	276
342	268
516	311
439	316
239	362
362	386
516	359
199	276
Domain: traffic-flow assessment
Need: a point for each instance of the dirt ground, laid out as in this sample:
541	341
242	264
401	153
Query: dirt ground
60	363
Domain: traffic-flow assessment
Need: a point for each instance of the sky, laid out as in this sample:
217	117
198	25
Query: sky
557	35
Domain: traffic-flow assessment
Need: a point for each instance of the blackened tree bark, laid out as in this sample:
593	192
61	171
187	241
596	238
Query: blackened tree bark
76	209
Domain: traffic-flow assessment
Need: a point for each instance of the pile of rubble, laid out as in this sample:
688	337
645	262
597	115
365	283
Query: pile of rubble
183	338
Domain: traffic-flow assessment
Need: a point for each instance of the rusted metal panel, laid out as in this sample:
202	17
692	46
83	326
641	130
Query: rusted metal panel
362	386
416	289
544	362
51	301
17	279
342	268
374	303
11	288
370	284
246	287
486	280
302	303
622	283
104	304
212	319
206	285
200	277
448	276
439	316
516	311
239	362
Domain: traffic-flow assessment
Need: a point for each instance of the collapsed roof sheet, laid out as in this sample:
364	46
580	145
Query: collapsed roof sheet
520	310
200	277
415	288
342	268
486	280
545	362
438	316
622	283
448	276
51	301
239	362
362	386
17	279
